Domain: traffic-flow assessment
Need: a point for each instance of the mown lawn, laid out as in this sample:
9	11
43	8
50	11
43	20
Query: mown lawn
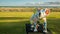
14	23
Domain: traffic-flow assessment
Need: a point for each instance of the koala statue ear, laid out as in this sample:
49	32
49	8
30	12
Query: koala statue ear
47	11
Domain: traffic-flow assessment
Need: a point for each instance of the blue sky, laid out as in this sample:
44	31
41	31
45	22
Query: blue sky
21	2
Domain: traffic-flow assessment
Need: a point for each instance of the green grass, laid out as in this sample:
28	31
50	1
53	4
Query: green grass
54	21
12	27
8	26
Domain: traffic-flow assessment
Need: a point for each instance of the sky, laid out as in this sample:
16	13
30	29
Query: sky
22	2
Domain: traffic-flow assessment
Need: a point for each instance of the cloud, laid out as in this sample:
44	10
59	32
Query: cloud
26	2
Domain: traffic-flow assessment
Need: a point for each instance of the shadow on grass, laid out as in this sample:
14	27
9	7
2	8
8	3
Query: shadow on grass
54	24
19	27
13	27
5	18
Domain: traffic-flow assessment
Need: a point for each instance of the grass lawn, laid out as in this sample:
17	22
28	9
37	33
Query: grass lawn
16	25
